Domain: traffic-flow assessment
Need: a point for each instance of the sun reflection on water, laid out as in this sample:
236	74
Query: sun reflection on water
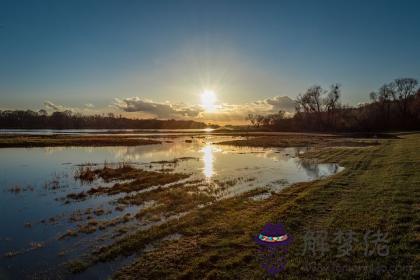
208	159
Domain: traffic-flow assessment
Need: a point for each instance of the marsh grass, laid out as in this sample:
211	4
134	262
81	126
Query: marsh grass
169	201
92	225
31	247
137	179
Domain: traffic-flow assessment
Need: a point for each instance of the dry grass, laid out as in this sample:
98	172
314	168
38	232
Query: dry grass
138	179
301	141
10	141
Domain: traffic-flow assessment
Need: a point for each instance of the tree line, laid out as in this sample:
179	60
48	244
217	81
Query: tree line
394	106
28	119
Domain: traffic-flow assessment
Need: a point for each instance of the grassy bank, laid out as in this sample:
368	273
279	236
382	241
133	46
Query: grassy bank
308	140
11	141
378	190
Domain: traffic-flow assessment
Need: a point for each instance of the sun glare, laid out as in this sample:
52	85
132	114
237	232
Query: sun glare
208	100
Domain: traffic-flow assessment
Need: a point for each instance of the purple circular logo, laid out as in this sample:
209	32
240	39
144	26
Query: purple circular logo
273	241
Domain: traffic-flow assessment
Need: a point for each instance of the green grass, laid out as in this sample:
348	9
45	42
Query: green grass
378	190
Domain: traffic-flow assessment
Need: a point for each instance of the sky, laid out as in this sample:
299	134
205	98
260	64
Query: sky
156	58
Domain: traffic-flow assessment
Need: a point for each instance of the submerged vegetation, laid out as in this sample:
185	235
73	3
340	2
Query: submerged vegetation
136	179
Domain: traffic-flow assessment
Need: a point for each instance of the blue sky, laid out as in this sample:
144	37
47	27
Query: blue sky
78	52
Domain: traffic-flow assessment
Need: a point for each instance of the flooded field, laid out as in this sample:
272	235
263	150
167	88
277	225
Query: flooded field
62	202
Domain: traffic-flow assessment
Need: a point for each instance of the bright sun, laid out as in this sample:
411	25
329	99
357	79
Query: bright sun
208	100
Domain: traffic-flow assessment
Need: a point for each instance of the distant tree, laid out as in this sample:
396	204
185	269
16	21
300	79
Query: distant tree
405	89
373	96
311	100
415	107
311	103
316	101
259	120
70	120
385	96
276	120
332	102
251	118
42	112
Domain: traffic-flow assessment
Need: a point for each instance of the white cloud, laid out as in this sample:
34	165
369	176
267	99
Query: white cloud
56	107
85	109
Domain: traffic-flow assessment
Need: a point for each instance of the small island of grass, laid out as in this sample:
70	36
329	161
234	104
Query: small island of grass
15	141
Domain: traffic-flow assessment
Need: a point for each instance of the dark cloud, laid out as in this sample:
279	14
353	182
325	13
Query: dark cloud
283	103
160	110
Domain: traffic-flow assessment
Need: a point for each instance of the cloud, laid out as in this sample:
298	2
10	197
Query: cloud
283	103
236	113
225	113
56	107
159	110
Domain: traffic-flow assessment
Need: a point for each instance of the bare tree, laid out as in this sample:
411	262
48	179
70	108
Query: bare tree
256	120
313	101
373	96
319	109
313	97
405	88
331	103
251	119
333	96
385	96
42	112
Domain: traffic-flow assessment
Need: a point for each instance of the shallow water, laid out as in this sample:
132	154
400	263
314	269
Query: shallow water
33	182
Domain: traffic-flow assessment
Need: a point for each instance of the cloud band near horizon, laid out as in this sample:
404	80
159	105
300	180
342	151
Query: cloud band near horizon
145	108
